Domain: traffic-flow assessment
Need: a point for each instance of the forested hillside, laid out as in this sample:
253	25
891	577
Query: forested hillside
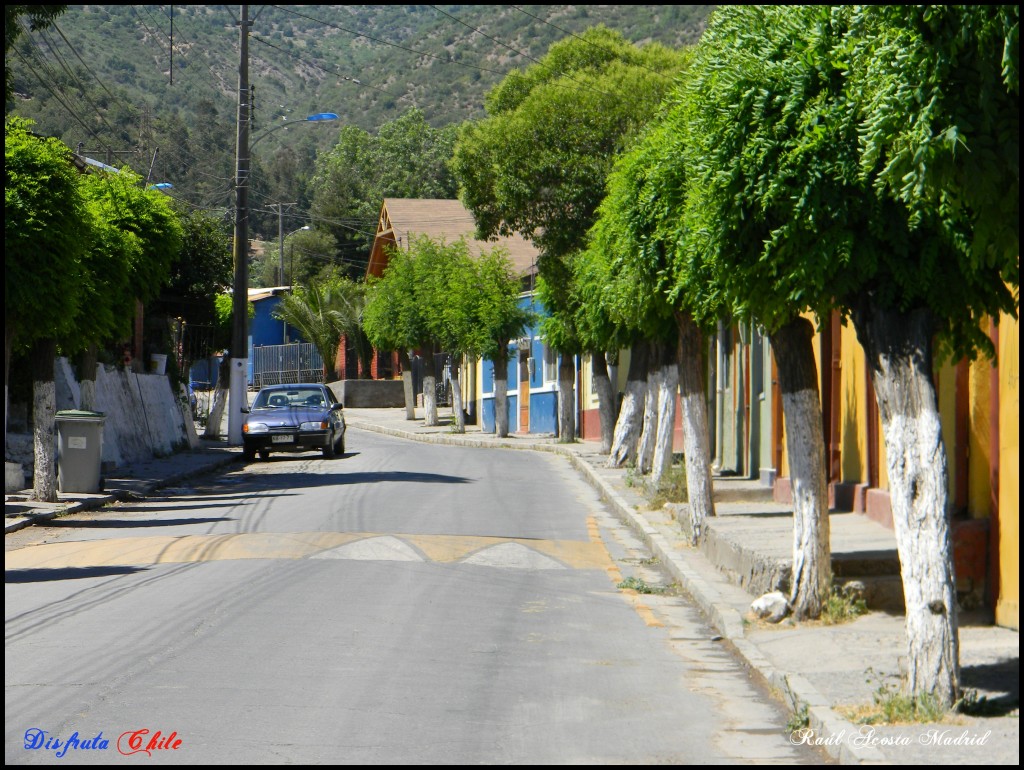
154	86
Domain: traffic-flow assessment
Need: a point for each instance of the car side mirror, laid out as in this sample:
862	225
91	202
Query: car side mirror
244	410
338	405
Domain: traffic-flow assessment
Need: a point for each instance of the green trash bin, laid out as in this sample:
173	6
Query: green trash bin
79	451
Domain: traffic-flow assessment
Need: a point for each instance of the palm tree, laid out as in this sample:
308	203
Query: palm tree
323	312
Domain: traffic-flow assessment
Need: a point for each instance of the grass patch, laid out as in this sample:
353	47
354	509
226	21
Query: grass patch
641	586
892	706
800	719
843	605
671	488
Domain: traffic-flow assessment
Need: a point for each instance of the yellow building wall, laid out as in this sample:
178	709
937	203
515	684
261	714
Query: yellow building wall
979	441
1007	612
945	386
853	395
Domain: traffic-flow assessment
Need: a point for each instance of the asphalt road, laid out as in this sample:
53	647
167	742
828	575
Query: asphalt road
402	604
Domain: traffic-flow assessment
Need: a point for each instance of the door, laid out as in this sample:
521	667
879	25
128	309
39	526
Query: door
524	391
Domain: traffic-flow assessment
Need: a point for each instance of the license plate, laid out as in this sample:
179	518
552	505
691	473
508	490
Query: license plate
284	439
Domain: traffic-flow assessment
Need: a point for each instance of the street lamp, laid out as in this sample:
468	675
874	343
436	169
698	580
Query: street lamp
291	278
317	118
280	253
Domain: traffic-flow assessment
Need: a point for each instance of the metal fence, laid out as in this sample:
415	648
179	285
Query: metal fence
280	364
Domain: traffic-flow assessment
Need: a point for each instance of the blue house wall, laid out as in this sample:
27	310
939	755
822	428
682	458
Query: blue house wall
543	395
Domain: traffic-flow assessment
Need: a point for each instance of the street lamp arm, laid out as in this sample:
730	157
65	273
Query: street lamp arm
319	117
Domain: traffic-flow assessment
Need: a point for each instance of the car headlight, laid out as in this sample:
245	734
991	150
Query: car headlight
255	427
319	425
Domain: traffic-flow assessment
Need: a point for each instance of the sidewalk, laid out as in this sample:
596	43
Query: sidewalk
135	480
814	669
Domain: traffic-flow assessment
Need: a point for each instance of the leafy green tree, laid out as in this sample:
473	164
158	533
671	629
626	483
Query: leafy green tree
537	164
746	151
47	236
948	170
639	231
394	320
830	152
108	306
447	287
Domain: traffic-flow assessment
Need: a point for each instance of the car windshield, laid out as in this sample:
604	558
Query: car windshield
275	399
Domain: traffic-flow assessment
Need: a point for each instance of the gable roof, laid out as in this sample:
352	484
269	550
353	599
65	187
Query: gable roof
402	219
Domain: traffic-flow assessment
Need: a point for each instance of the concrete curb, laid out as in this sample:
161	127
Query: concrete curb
794	689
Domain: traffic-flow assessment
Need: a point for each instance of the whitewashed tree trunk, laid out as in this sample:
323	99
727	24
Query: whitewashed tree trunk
566	398
430	399
458	414
649	433
805	447
44	423
501	397
407	385
220	400
605	400
627	428
696	439
666	422
899	352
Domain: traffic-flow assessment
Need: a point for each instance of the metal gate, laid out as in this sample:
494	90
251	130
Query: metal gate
281	364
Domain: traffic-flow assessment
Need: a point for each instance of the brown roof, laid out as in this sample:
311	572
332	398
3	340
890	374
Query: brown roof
402	219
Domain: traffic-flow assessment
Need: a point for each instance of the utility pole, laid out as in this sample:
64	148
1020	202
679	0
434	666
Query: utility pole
238	396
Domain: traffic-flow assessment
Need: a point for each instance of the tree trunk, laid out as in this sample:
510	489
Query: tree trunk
605	400
566	400
429	399
407	386
899	352
87	372
44	412
457	412
220	399
666	422
696	439
649	433
627	428
501	396
805	447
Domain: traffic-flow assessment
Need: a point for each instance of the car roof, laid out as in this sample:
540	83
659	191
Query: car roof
294	386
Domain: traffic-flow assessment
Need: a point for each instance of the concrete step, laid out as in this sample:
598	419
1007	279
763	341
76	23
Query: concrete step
866	564
726	489
881	592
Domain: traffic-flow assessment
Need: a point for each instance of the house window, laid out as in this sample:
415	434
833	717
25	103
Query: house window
550	364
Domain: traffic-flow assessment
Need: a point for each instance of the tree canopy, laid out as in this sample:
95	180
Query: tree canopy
47	235
537	164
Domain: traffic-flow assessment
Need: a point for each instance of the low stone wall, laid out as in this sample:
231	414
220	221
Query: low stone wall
369	394
143	418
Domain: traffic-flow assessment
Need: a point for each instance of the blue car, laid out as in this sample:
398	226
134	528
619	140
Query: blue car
294	418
